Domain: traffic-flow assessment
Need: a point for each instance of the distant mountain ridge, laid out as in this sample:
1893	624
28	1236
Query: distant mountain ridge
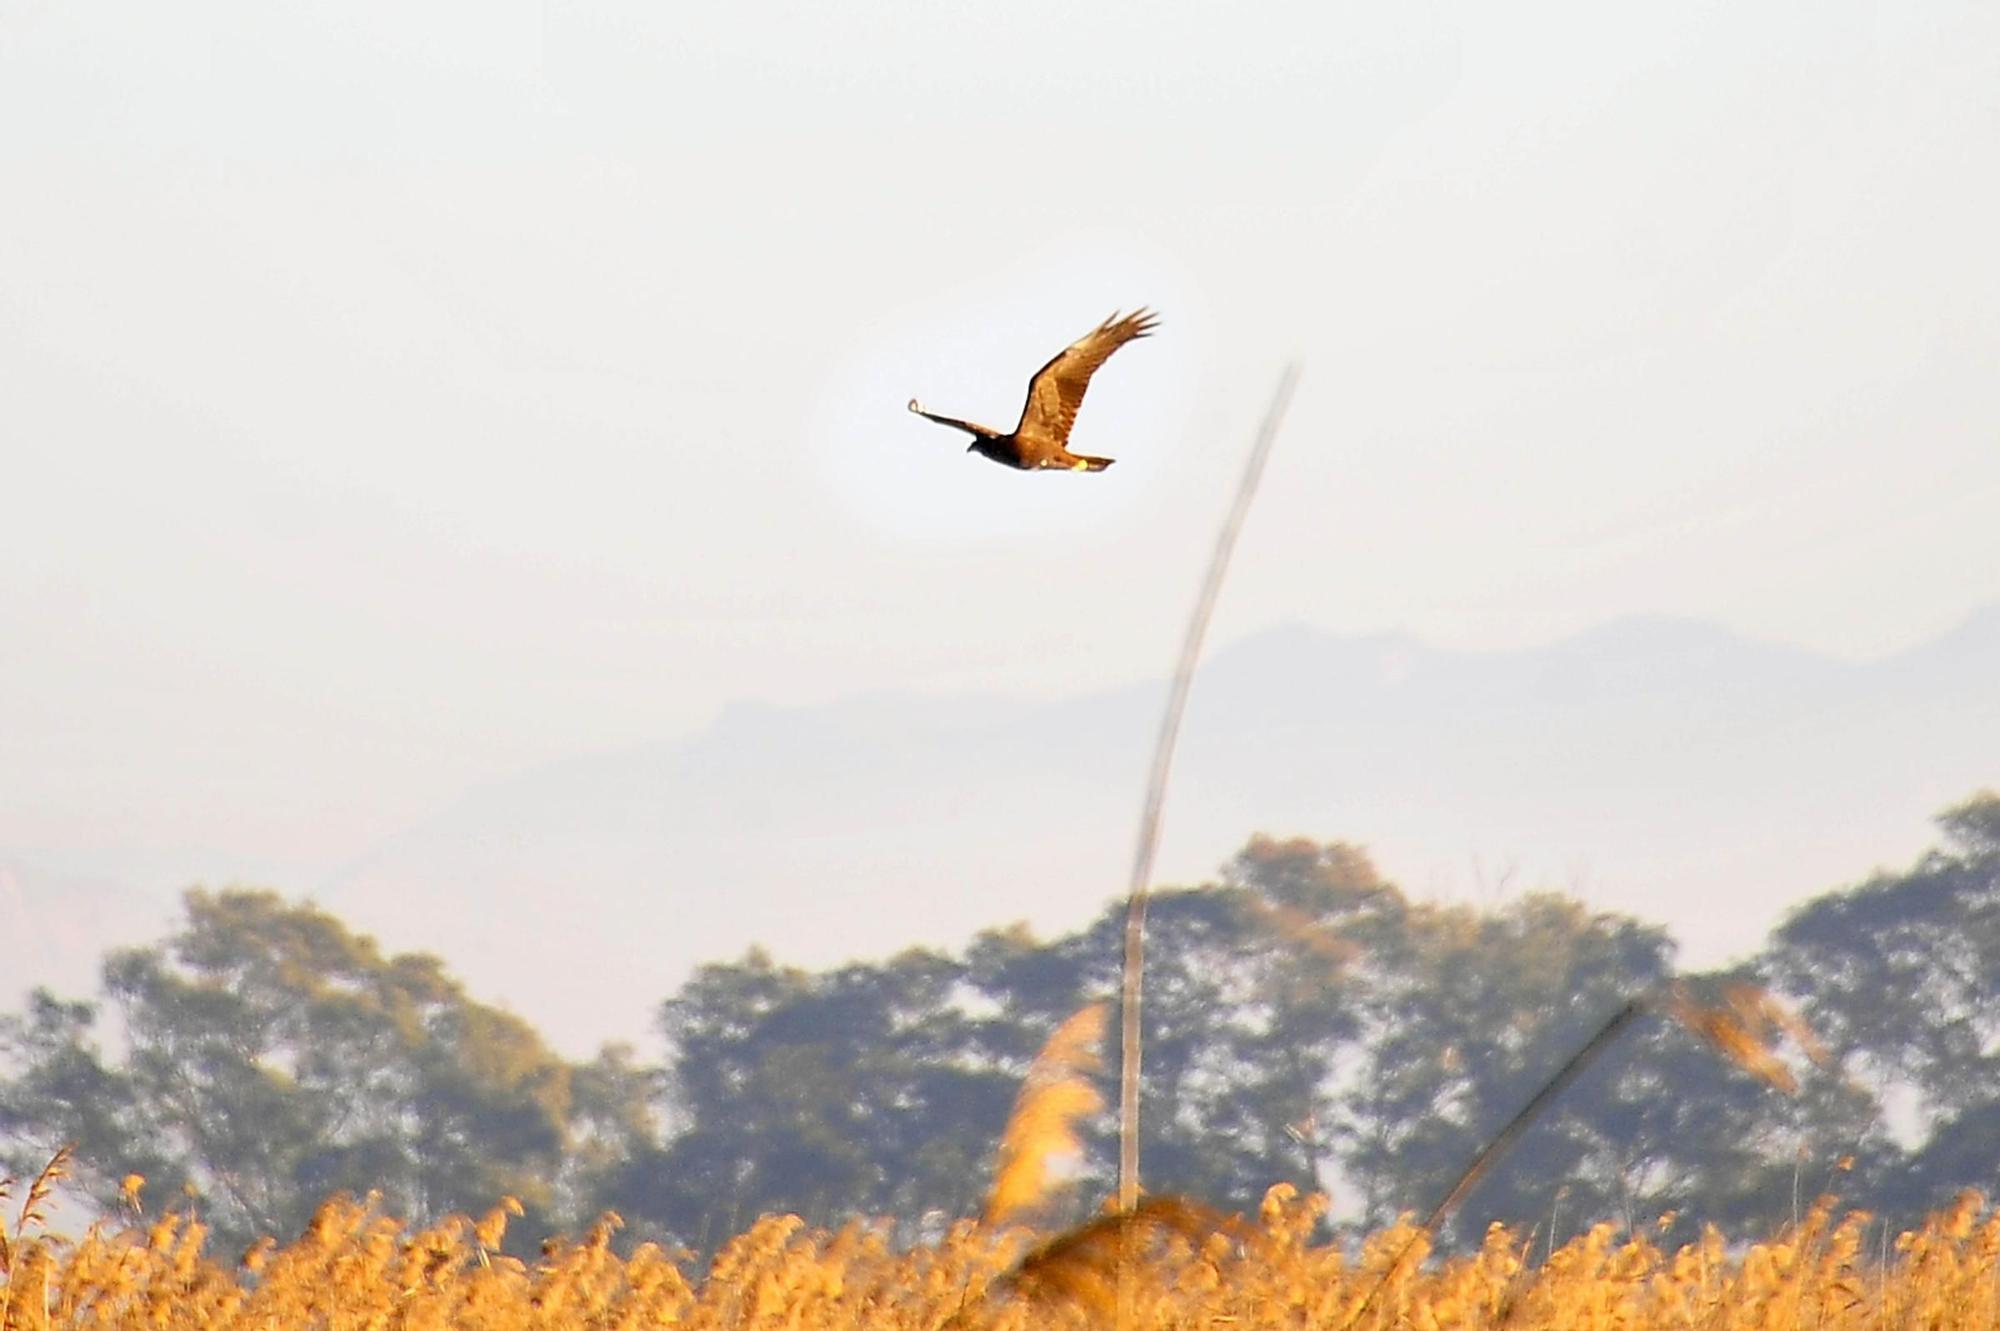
1664	767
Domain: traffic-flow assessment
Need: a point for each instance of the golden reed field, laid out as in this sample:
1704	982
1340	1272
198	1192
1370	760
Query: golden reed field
354	1268
1170	1263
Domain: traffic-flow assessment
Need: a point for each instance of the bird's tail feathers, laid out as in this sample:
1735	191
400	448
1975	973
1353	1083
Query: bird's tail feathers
1084	463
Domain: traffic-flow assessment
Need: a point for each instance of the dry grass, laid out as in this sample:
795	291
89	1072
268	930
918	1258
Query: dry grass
356	1268
1041	1130
1168	1264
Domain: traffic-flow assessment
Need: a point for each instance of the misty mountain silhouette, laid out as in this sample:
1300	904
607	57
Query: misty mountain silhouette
1663	767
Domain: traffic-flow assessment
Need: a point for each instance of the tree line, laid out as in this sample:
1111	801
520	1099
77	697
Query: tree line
1306	1022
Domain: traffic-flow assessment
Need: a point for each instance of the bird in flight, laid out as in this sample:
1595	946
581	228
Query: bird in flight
1040	441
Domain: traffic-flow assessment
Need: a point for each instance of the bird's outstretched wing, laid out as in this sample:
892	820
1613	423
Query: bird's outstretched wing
1057	389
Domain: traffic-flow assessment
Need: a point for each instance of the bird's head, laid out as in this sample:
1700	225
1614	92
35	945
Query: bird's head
914	407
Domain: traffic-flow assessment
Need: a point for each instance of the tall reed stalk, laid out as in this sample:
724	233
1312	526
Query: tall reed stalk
1156	788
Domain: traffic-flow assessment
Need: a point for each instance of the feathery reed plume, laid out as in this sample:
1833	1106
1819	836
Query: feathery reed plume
1742	1027
54	1172
24	1296
1170	1264
1042	1127
1156	788
24	1300
1081	1266
491	1231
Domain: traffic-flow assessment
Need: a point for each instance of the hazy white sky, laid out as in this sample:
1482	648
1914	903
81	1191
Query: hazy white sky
396	395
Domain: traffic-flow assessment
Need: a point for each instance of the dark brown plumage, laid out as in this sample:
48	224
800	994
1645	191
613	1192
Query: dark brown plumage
1040	441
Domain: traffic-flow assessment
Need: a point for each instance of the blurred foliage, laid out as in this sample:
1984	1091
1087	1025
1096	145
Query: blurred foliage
1307	1024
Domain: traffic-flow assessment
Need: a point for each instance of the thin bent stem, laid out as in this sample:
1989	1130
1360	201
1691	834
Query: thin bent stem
1490	1154
1156	788
1529	1112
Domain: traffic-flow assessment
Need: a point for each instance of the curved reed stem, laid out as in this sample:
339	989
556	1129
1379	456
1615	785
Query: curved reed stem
1156	787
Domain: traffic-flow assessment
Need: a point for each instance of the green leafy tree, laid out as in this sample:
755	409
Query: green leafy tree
1249	1001
863	1090
1305	1022
1900	978
1467	1015
265	1057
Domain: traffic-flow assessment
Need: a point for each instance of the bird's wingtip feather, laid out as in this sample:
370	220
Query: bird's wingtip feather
1138	323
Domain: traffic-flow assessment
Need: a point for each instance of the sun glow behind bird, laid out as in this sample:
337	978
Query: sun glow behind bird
974	348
